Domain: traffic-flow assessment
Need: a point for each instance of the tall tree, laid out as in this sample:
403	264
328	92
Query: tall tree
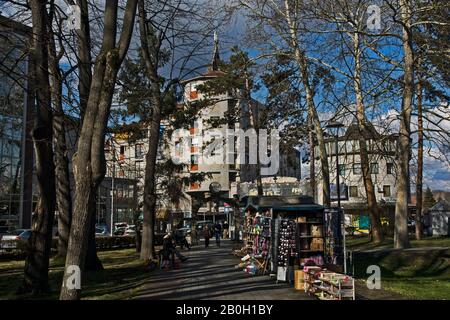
347	19
419	178
428	200
62	174
89	161
401	239
37	261
283	19
153	58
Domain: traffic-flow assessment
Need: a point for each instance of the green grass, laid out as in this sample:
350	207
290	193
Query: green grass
123	274
421	274
363	243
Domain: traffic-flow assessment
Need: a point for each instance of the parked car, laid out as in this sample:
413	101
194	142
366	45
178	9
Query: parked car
130	230
3	230
118	225
119	231
101	231
10	240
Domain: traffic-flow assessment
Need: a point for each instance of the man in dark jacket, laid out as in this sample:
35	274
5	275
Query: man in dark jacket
218	233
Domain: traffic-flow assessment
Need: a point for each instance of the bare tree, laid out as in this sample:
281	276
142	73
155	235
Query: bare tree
62	174
89	160
401	239
37	261
284	19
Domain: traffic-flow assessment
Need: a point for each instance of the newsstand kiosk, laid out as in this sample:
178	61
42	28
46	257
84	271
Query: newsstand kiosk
297	241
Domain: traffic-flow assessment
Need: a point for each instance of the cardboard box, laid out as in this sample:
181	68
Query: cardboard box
301	219
299	280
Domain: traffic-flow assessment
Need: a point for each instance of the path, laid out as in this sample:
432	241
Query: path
211	274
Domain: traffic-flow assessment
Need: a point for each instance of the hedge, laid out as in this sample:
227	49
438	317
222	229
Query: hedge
17	248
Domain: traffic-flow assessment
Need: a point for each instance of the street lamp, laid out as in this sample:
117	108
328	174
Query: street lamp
334	127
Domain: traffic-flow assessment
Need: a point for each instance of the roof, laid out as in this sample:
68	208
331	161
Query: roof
369	132
283	203
441	205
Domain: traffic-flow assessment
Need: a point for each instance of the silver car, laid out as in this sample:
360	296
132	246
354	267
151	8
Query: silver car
10	240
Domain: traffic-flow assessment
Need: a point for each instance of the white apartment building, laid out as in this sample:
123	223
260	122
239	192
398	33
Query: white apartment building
382	159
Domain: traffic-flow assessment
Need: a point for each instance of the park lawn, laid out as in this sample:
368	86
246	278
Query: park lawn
423	274
123	274
363	243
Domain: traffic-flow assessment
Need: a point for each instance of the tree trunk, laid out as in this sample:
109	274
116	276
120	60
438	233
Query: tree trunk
302	63
319	133
37	261
404	146
254	123
84	58
374	210
85	80
149	209
419	181
62	174
92	263
137	224
312	160
89	161
151	53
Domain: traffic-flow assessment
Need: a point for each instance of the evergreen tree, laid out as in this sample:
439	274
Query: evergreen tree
428	200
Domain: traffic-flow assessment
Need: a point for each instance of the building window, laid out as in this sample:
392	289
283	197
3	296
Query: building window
374	168
357	168
341	170
122	153
390	168
353	191
387	191
139	151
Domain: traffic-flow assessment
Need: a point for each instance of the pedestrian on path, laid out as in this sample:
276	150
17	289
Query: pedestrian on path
206	235
225	229
218	233
169	252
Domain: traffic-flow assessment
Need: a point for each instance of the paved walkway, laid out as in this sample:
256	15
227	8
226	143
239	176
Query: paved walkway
211	274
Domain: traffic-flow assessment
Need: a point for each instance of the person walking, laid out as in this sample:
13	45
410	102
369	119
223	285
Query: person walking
218	233
169	251
225	229
206	235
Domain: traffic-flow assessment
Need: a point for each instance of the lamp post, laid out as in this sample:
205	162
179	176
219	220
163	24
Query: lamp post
334	128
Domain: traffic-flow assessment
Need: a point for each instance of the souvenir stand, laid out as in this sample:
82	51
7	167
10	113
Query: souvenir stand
330	282
297	241
257	242
298	236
